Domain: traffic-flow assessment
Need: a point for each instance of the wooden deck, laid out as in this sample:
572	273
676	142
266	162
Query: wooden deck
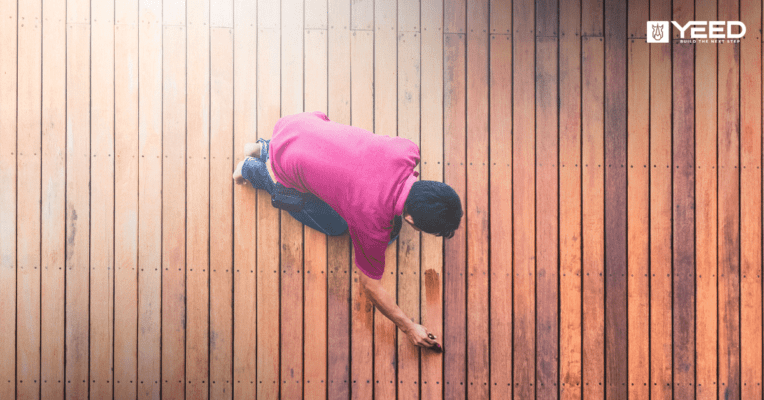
612	239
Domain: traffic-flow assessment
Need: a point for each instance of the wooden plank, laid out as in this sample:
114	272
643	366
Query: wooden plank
455	290
315	352
639	218
750	195
53	203
454	16
409	241
268	282
409	19
728	153
639	14
660	213
385	117
173	208
523	201
475	203
705	212
431	149
77	206
244	338
29	174
547	245
102	200
149	200
616	299
126	210
684	221
291	230
362	15
592	23
338	300
593	213
570	209
8	176
223	366
221	14
338	247
316	14
501	16
197	201
362	314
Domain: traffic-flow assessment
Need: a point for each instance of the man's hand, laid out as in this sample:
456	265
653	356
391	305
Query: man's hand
419	336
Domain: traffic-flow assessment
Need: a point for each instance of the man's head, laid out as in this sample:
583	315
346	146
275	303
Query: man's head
433	207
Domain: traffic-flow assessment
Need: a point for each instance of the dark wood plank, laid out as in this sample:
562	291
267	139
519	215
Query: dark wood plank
593	214
660	214
77	202
547	186
149	200
292	271
475	204
198	274
638	180
8	176
705	211
750	204
615	200
639	14
523	170
28	196
126	148
454	293
728	172
53	203
431	149
241	371
570	206
102	200
684	222
362	116
174	208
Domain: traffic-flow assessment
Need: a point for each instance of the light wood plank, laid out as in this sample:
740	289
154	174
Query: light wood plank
126	148
102	200
149	200
245	38
223	313
29	167
197	160
53	203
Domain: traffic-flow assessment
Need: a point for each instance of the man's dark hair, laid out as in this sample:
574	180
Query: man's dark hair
435	208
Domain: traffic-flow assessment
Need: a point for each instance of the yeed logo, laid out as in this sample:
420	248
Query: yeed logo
659	32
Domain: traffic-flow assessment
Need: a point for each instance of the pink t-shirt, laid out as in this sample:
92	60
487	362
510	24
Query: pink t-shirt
365	177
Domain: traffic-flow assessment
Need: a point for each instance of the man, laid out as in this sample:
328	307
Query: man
354	180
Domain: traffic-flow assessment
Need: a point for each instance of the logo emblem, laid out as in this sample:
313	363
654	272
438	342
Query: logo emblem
657	32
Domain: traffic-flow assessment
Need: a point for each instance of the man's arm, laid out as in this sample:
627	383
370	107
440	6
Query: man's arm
417	334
